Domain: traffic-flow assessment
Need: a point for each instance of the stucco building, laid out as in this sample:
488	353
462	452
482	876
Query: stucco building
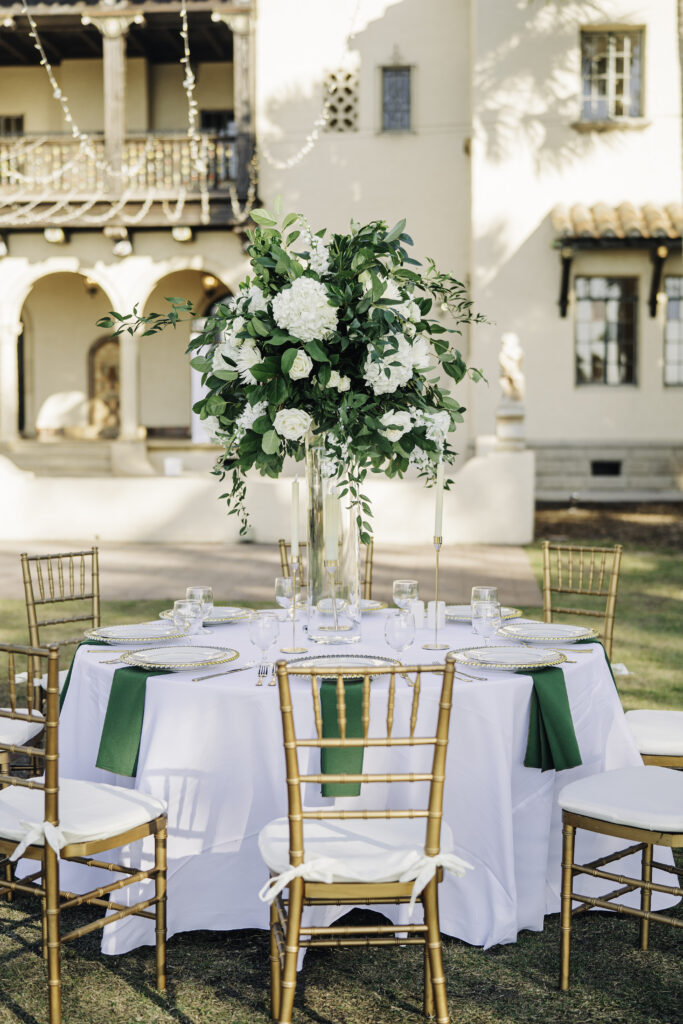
535	150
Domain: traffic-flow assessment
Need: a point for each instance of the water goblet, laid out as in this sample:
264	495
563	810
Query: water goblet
263	633
187	616
204	595
404	591
484	594
486	619
284	592
399	629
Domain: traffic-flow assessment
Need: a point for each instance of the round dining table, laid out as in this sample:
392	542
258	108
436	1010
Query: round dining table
212	750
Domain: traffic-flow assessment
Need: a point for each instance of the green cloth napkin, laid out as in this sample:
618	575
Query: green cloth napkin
340	760
90	643
552	741
120	742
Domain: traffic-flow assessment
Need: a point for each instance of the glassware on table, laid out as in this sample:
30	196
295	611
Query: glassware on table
204	595
187	615
404	591
486	613
284	591
399	629
264	629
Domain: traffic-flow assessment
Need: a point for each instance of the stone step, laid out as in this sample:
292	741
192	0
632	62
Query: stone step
56	459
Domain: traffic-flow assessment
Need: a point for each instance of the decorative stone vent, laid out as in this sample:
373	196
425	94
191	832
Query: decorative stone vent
341	98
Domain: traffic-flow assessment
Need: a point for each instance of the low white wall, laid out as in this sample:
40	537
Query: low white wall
492	502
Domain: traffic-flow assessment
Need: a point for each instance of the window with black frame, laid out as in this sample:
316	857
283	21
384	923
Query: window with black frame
611	75
606	330
673	332
396	99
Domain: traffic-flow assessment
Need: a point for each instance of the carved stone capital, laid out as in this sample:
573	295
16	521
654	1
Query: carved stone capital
112	26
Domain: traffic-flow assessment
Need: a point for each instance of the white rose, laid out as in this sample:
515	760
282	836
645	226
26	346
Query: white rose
396	424
339	381
437	423
302	366
257	300
292	424
423	356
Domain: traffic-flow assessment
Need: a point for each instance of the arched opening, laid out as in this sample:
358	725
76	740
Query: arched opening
165	384
55	360
104	381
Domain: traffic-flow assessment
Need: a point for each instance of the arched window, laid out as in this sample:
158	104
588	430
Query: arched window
104	386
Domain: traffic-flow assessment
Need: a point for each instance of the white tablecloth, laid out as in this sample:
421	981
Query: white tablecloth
213	751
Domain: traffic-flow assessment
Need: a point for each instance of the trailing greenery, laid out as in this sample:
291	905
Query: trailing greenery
336	339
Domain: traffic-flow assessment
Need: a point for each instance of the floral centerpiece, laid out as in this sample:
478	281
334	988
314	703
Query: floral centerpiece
333	337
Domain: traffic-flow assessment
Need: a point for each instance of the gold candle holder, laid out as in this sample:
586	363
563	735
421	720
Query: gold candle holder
331	565
436	646
294	563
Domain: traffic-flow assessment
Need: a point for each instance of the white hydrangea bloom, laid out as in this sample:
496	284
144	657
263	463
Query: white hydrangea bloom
292	424
318	253
302	366
304	310
339	381
250	414
246	356
383	383
396	424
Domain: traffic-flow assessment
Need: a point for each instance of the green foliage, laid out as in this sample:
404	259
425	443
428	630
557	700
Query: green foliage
383	301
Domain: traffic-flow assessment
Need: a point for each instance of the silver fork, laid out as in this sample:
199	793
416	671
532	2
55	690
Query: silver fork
263	670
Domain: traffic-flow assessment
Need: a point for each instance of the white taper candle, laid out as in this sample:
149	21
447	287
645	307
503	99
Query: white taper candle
295	518
438	513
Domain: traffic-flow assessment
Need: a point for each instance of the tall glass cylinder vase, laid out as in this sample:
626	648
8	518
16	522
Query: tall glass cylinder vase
333	567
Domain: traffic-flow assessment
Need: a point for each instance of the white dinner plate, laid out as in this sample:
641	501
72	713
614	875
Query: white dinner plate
511	659
135	633
219	614
463	612
177	659
546	632
347	664
367	604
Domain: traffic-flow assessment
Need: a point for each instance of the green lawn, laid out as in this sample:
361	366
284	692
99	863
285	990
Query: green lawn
222	978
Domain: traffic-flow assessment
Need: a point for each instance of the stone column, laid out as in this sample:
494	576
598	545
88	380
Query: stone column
9	380
129	402
114	29
243	77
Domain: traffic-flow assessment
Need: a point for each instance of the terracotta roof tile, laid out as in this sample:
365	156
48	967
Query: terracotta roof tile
602	220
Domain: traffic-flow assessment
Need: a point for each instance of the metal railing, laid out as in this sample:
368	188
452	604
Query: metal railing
54	166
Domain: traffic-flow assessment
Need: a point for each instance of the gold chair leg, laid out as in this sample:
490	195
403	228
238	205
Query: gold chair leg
9	876
4	765
288	983
646	895
568	839
275	971
160	914
431	905
52	929
428	1002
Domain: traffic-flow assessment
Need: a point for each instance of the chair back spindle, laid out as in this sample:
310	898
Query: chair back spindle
589	573
53	581
284	547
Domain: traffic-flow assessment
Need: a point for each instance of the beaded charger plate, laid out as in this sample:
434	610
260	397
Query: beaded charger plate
546	632
463	612
177	659
136	633
220	614
510	659
340	664
367	604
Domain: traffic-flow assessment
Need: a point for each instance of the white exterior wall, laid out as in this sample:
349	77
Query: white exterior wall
527	158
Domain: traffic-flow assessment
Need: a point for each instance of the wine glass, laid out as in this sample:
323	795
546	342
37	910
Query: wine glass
486	616
187	616
484	594
399	629
263	633
404	591
284	592
204	595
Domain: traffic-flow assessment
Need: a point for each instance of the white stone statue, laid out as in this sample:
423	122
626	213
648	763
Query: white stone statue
511	376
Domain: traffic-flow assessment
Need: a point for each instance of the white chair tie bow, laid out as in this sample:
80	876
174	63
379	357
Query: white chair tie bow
52	834
419	867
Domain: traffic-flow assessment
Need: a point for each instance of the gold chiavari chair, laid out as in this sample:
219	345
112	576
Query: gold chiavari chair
642	804
366	582
360	856
658	735
590	573
49	820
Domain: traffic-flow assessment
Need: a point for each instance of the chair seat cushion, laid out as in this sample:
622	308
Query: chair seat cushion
366	850
16	732
657	732
646	796
88	811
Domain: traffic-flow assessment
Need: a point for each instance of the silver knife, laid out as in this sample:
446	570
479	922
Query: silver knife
228	671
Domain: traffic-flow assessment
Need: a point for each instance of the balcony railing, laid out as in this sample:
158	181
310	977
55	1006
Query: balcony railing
52	167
